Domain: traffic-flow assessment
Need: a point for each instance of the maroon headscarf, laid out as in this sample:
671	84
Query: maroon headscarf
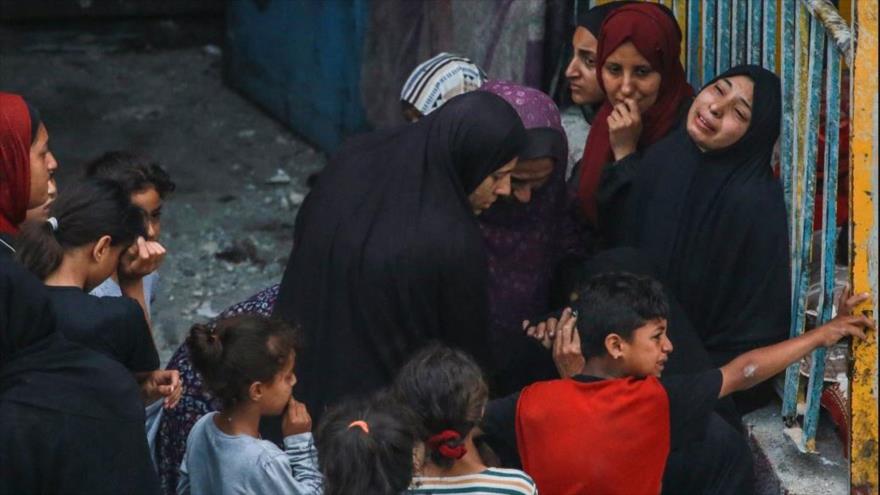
657	37
15	169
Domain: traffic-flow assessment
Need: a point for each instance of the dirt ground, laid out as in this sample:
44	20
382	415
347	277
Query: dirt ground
155	86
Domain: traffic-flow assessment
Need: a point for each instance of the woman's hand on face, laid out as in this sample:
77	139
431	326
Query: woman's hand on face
567	346
624	128
141	259
297	419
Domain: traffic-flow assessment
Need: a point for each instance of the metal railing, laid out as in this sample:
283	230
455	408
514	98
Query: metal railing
809	44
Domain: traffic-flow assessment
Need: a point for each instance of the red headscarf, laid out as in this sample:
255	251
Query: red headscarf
15	165
657	37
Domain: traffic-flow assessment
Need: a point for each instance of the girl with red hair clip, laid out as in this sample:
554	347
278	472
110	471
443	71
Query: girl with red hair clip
447	392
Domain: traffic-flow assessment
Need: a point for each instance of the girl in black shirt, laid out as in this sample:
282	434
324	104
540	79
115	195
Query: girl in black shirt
90	233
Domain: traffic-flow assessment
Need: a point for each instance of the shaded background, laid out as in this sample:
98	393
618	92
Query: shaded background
240	101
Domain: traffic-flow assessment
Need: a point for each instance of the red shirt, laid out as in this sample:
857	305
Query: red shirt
600	437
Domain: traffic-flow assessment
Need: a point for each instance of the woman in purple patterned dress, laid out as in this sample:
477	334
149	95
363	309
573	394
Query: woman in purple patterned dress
196	400
526	236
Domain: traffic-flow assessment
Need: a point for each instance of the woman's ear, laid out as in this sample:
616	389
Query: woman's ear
101	248
614	345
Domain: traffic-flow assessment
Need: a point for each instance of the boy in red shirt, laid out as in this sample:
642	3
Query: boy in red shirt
612	426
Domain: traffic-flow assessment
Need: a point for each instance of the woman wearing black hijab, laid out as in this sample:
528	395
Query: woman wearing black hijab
71	419
387	252
707	210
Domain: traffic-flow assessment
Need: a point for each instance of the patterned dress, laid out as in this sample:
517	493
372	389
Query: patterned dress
196	400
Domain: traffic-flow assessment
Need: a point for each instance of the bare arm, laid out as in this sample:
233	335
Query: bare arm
142	258
753	367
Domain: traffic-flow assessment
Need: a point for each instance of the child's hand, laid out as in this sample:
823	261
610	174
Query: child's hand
845	324
567	346
846	302
543	331
141	259
296	419
162	383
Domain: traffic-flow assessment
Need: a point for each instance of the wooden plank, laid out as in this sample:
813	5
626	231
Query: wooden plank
787	71
829	240
864	190
800	186
768	45
709	32
835	25
693	44
740	34
724	28
754	29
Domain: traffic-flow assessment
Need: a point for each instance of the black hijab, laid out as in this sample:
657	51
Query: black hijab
592	18
715	224
387	252
70	419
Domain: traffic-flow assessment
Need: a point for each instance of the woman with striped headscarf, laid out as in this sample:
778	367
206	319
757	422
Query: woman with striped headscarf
436	81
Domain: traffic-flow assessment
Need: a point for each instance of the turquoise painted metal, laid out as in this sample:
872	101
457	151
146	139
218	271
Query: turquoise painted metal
722	56
708	62
693	44
740	32
789	172
787	68
754	28
829	241
769	44
801	259
300	60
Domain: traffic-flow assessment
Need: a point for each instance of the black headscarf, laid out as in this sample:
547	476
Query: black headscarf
592	18
387	253
70	419
715	224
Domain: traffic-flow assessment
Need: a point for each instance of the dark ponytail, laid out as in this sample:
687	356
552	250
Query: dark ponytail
235	352
83	213
366	447
446	390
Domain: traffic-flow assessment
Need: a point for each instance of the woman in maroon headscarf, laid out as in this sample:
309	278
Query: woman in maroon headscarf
647	93
24	165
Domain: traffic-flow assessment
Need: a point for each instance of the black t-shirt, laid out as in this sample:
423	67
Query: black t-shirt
7	245
692	398
114	326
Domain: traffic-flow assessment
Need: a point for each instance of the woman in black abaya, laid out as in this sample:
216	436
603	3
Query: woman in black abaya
709	214
71	419
387	253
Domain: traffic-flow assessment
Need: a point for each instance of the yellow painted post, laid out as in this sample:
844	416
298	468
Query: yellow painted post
864	244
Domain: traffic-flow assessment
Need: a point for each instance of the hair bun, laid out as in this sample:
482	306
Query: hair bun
205	346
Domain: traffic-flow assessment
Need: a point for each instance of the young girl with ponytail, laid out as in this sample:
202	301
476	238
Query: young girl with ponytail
87	237
367	446
247	363
448	393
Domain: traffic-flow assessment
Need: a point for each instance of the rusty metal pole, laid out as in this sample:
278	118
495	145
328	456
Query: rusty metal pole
863	210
